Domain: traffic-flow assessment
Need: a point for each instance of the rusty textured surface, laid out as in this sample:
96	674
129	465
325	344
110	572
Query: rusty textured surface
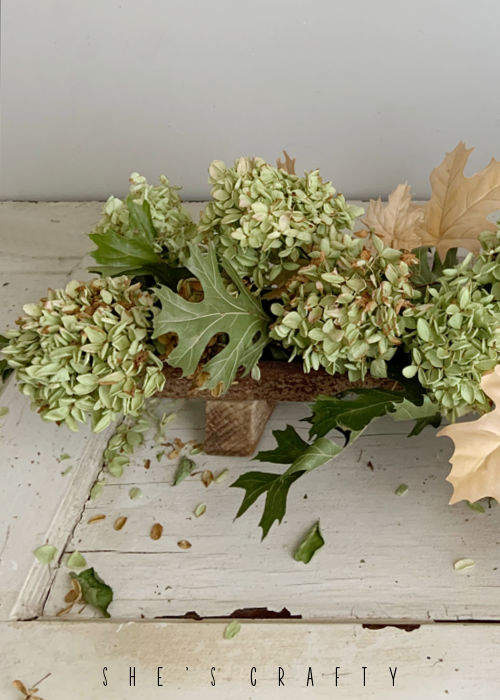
280	381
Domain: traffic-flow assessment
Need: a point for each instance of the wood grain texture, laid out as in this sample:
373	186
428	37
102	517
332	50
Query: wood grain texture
386	557
442	660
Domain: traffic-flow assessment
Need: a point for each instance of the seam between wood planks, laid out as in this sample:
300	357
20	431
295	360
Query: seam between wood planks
36	587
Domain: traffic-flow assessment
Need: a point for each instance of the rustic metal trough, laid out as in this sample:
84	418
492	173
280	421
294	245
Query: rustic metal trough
234	422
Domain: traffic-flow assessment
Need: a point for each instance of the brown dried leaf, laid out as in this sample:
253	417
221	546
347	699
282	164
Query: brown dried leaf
75	594
475	462
120	522
70	596
217	390
96	518
288	164
19	685
184	544
147	463
64	611
207	477
156	531
456	213
398	222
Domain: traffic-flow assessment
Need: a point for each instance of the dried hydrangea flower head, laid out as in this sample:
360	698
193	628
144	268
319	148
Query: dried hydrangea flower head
344	312
173	225
86	350
453	335
266	220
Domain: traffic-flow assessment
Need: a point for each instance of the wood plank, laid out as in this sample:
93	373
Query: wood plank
37	503
386	557
455	660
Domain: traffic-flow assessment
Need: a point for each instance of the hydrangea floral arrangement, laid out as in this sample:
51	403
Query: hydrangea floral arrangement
281	266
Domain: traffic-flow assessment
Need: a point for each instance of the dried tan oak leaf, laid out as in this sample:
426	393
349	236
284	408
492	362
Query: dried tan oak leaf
456	212
288	165
475	461
398	222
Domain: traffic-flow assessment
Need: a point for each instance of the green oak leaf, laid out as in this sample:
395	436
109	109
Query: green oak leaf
421	423
310	544
140	218
94	591
276	486
133	254
451	260
195	323
422	275
426	414
331	412
289	446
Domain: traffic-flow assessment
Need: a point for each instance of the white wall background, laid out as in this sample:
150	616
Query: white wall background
372	92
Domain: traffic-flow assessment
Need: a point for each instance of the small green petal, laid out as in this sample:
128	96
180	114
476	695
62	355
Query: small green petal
76	560
232	629
45	553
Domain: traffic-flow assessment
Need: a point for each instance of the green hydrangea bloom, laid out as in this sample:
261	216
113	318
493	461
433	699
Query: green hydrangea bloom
267	221
86	350
453	335
173	224
344	312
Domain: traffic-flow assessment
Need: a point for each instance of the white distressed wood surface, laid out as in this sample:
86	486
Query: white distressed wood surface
385	558
435	661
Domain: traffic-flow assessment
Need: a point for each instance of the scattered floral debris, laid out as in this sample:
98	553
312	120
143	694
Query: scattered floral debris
135	493
156	531
96	518
401	490
165	419
96	490
159	455
94	591
200	510
147	463
196	448
3	411
67	470
29	693
120	522
76	560
207	477
121	445
45	553
184	469
462	564
222	476
312	541
232	629
184	544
